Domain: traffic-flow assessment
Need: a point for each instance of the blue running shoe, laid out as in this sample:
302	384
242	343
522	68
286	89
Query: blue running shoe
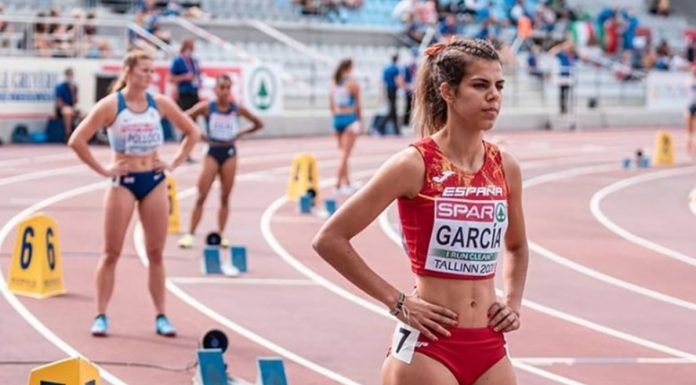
100	326
164	327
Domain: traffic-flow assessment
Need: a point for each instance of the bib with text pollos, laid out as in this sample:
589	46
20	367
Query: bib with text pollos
466	237
142	137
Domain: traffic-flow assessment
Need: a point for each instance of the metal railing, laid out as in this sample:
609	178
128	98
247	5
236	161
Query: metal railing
26	40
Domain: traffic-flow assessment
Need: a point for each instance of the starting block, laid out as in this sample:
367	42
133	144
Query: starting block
211	367
305	204
213	264
640	161
70	371
271	371
211	260
331	206
238	258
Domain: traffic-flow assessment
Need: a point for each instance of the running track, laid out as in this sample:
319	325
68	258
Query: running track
610	296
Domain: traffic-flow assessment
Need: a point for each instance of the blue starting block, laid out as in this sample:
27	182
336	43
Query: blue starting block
331	206
211	260
305	204
211	367
626	163
644	163
238	258
271	371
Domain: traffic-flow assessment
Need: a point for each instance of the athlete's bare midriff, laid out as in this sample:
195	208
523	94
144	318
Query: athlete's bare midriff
470	299
136	163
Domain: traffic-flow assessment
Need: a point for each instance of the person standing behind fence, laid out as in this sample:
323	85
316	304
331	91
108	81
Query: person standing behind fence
567	56
409	77
66	103
344	101
185	72
391	77
691	116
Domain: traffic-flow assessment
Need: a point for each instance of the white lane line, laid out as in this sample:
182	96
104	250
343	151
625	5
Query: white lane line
41	174
596	200
139	241
536	248
610	279
37	159
345	294
543	361
692	201
396	238
18	306
243	281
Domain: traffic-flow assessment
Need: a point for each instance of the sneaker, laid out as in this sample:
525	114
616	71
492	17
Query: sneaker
347	190
100	326
164	327
186	242
224	243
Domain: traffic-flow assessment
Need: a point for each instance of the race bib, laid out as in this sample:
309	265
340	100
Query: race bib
467	236
222	127
404	342
142	138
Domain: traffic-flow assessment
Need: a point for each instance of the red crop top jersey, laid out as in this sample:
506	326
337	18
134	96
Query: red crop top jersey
455	227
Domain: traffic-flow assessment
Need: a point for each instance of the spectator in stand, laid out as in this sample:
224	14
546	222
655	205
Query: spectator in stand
691	48
516	11
42	41
611	35
97	47
664	56
662	7
630	25
5	29
448	27
533	68
66	103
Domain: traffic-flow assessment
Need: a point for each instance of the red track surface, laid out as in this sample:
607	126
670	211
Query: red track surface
577	329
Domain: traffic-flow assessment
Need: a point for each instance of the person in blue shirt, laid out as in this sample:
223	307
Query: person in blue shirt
409	77
66	103
185	72
391	77
567	56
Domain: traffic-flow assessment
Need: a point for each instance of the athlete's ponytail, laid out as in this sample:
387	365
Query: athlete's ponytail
130	61
444	63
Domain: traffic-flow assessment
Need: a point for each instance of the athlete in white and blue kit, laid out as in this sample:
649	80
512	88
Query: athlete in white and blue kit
222	131
132	117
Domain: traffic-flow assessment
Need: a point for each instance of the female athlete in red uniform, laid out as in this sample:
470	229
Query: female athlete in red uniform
459	200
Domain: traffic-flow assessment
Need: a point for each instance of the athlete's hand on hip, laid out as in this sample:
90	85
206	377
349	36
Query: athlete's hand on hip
427	317
503	318
160	165
116	169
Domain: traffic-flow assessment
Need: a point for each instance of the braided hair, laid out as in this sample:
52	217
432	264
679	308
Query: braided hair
445	63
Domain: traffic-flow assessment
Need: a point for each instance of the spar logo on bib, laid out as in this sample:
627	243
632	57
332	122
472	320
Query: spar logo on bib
467	236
